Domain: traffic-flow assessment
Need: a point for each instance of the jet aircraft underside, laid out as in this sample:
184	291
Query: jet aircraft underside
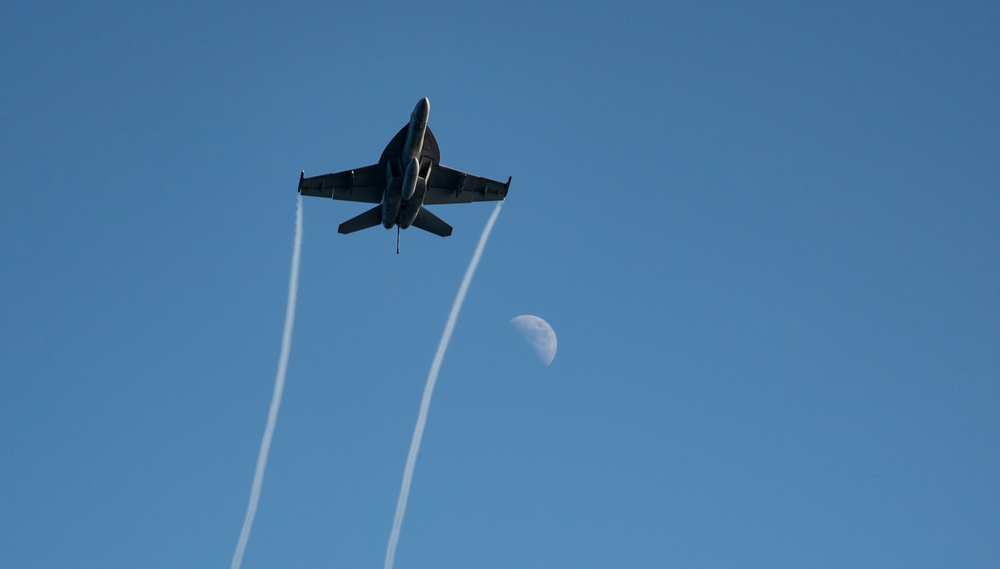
407	177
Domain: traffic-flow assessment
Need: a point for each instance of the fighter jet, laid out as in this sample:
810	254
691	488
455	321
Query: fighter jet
407	177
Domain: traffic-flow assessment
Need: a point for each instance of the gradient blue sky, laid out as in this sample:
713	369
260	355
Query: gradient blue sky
767	237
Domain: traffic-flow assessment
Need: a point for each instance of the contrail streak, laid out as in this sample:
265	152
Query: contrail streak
279	386
425	403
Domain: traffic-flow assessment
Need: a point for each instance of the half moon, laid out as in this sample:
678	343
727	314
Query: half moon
539	335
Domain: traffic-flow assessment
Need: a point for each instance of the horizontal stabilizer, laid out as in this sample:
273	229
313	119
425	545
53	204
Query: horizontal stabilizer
429	222
370	218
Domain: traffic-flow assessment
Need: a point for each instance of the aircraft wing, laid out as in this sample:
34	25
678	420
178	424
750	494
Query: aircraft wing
452	186
359	185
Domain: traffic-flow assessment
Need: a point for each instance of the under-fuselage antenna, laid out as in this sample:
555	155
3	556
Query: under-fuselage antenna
397	240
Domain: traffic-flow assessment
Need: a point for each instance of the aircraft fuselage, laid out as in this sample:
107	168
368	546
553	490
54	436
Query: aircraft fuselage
403	198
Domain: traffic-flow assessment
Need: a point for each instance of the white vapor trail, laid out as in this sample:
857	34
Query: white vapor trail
425	403
279	386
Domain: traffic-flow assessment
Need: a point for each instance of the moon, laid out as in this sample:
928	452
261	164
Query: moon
539	335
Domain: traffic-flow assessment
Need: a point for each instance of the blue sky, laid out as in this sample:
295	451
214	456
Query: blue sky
766	237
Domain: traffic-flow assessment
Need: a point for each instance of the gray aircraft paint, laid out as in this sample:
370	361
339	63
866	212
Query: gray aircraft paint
407	177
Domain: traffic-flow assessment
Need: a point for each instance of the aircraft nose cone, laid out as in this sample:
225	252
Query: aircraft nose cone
423	108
